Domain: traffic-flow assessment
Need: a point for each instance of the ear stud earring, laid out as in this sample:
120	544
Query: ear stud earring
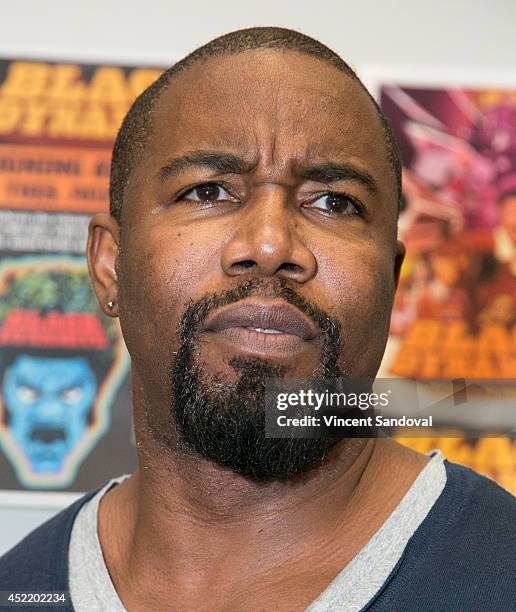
110	305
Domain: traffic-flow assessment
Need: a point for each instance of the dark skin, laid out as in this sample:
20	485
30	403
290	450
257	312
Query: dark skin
182	532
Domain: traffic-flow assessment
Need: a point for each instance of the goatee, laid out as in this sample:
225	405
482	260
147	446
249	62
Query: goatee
225	421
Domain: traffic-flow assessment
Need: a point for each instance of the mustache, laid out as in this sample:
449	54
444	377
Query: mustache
197	311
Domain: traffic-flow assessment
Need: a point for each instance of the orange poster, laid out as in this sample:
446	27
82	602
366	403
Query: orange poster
454	316
58	122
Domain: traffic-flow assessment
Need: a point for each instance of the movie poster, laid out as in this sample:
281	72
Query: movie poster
65	409
454	316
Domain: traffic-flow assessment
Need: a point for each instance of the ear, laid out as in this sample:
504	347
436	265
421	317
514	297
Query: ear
398	261
102	253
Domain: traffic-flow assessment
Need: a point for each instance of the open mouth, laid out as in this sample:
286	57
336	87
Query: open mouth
264	328
47	435
269	317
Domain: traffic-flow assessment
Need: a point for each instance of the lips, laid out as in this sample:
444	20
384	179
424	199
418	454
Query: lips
261	317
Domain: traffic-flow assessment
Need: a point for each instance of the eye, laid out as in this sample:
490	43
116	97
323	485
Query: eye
337	204
207	192
72	395
27	394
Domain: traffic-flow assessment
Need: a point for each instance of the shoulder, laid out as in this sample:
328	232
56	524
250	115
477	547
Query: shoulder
471	526
463	556
473	521
486	510
40	560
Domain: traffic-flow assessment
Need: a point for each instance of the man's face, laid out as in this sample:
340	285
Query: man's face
265	184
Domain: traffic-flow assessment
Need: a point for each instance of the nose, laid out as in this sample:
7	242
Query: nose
266	239
49	410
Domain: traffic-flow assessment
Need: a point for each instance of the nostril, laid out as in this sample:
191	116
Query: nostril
290	267
246	264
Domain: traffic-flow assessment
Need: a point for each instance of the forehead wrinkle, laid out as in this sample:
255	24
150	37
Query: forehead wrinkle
269	66
330	119
261	93
175	140
321	93
258	129
337	114
270	95
213	127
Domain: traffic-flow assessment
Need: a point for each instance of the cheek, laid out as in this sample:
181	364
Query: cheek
159	273
362	283
360	274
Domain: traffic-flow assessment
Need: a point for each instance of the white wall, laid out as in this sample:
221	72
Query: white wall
467	34
15	523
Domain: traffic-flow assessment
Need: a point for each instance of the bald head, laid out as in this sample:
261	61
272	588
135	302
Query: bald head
140	123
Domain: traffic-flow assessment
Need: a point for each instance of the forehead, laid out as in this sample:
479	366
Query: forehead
51	366
288	103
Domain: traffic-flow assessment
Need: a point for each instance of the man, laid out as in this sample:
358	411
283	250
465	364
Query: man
252	235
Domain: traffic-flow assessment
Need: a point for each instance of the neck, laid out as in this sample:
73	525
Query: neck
185	514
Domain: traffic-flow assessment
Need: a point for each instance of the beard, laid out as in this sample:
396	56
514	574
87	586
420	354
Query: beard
224	421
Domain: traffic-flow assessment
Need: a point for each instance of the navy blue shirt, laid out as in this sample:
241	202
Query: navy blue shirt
461	558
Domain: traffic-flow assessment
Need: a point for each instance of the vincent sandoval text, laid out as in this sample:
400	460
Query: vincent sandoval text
334	421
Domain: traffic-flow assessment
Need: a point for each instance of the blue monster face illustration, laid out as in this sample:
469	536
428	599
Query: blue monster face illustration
48	401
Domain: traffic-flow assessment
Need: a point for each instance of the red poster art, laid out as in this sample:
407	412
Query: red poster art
454	315
65	408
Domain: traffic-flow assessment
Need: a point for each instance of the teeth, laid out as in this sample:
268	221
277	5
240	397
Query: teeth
265	330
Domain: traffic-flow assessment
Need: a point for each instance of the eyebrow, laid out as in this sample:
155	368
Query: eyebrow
224	163
330	172
227	163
